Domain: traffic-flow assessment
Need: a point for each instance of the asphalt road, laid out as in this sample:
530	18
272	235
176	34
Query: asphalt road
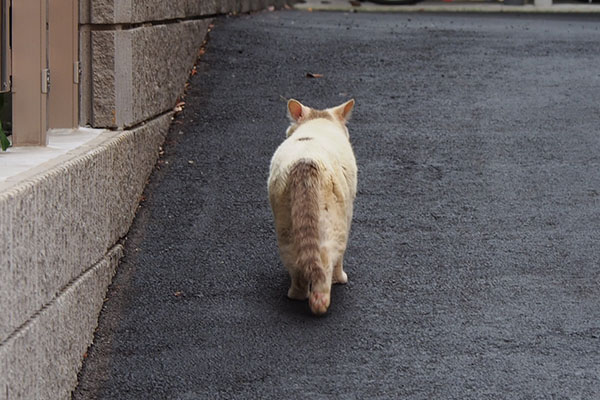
473	261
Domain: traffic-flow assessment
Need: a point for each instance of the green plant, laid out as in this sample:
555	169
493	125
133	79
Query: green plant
4	142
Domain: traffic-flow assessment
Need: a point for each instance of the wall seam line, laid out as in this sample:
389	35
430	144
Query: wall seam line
25	325
130	26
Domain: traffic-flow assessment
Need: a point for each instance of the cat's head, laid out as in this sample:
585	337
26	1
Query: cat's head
299	114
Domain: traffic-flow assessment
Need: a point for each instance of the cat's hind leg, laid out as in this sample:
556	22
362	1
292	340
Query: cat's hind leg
319	302
339	276
320	297
299	288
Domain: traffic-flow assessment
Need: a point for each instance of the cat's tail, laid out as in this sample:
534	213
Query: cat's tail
305	182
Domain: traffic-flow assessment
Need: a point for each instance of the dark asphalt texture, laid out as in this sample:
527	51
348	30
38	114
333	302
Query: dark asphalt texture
473	261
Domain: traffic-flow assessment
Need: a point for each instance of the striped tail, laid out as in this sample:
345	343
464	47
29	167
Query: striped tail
304	199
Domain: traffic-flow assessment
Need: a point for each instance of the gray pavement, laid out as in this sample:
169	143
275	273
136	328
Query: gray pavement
451	6
473	260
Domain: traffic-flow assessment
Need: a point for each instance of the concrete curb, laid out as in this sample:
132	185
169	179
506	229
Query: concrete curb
40	360
75	213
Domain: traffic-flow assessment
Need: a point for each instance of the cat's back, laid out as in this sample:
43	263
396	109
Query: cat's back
320	140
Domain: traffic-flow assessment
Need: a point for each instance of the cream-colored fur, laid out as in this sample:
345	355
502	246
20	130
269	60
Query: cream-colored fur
314	168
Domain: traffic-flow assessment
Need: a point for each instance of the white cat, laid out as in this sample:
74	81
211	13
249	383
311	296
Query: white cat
312	186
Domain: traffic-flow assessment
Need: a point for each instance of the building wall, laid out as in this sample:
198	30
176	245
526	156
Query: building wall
136	54
60	229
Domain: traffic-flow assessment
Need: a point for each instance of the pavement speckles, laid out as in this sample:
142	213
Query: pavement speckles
473	260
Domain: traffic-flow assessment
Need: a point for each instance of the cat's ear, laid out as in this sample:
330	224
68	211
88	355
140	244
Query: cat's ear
343	111
296	111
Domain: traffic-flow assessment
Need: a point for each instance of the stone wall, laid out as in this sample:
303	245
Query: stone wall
61	227
136	54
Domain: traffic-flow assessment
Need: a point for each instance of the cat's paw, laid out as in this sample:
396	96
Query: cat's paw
341	278
319	302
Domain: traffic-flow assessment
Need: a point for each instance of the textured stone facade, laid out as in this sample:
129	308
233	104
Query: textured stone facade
74	213
138	73
61	223
136	54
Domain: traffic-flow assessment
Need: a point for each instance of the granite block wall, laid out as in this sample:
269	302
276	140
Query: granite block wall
138	73
56	225
42	358
62	223
60	235
137	54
